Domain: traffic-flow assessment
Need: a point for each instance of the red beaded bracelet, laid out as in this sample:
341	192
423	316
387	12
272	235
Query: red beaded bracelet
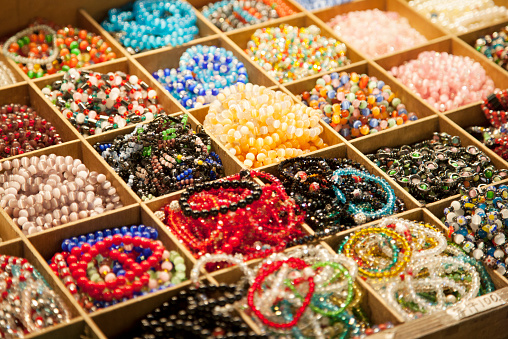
495	107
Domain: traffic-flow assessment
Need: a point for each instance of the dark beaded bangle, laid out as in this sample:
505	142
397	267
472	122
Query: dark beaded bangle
162	156
308	180
437	168
191	313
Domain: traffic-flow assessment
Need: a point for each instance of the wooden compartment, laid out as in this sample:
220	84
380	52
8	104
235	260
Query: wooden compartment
134	215
25	94
128	66
423	26
160	59
85	153
242	36
423	130
408	98
77	18
450	45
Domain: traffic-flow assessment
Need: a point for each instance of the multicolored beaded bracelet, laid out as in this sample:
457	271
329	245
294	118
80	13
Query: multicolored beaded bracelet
110	266
27	304
147	24
288	53
356	104
155	159
203	72
95	102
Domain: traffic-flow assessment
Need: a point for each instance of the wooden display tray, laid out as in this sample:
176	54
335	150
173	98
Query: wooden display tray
116	321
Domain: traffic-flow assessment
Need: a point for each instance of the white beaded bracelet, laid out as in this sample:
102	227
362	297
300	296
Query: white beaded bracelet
25	60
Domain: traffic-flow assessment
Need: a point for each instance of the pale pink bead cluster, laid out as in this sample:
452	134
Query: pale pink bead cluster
380	32
444	80
50	190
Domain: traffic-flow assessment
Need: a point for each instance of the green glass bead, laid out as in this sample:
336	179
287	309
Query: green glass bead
75	51
74	45
396	102
320	81
65	68
26	40
21	43
31	74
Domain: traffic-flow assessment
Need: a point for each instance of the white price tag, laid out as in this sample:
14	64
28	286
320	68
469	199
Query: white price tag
477	305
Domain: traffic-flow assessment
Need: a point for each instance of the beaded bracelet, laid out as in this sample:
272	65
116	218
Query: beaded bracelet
229	15
147	24
71	48
47	191
155	159
202	73
95	103
22	131
263	127
437	168
477	224
494	107
356	104
6	75
460	16
28	304
493	46
110	266
234	215
311	5
303	53
361	215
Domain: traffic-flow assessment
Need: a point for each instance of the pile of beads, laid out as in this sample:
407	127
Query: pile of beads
234	215
356	104
95	103
460	16
397	33
288	53
477	223
413	267
22	130
194	313
46	191
6	75
494	138
260	126
40	50
311	182
28	304
311	5
228	15
202	73
155	159
437	168
494	45
148	24
445	81
106	267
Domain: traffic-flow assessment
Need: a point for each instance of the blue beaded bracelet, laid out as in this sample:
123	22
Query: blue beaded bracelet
316	4
203	72
146	25
360	215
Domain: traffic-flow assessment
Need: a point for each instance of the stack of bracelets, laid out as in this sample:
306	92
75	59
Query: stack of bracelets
289	53
46	49
413	267
437	168
356	104
307	292
261	126
155	159
311	5
460	16
147	24
477	223
28	304
47	191
235	215
337	194
228	15
203	71
107	267
95	102
22	130
493	46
